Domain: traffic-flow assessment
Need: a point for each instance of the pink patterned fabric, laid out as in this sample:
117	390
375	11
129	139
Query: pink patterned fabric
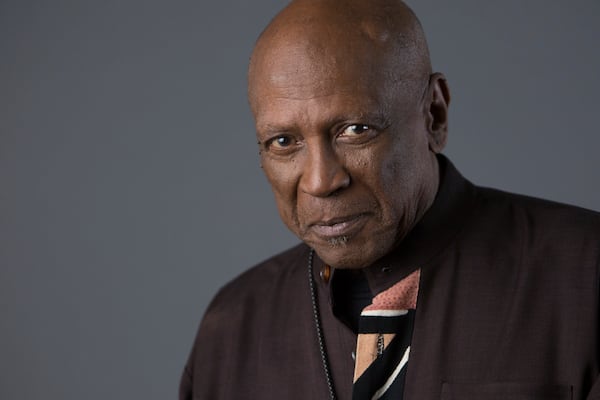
401	296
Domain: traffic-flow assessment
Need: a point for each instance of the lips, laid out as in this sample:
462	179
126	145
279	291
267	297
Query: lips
339	226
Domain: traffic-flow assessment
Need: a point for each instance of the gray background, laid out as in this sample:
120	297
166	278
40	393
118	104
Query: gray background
130	187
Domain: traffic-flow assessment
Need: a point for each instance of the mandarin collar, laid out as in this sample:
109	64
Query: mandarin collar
436	230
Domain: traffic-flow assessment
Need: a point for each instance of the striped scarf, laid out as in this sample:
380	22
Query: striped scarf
383	344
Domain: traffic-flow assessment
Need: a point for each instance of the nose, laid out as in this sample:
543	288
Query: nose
323	172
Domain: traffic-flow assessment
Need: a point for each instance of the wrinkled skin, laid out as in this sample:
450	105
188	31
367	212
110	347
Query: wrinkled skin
348	125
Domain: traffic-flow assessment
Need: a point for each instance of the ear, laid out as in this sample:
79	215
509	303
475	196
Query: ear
436	111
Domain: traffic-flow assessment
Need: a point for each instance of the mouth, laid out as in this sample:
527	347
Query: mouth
337	227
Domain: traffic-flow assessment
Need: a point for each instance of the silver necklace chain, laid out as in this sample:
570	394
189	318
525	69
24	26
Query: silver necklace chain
317	318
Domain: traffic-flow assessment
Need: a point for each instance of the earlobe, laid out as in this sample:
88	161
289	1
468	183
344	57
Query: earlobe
437	111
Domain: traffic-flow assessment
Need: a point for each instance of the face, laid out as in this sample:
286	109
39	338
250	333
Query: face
346	152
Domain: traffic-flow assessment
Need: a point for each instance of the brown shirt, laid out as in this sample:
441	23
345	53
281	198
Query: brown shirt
508	306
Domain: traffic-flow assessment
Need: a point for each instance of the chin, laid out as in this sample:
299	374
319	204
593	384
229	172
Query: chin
341	253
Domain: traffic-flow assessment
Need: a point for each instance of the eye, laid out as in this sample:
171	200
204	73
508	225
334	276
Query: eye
281	141
355	130
281	144
357	134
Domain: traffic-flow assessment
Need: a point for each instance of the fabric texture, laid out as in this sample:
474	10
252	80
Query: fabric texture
383	343
507	307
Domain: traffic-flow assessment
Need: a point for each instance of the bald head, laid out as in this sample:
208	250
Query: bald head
310	37
349	119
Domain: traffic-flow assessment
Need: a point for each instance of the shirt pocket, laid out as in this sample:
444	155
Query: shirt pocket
505	391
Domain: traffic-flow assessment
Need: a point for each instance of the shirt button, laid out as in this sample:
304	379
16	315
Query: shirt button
325	273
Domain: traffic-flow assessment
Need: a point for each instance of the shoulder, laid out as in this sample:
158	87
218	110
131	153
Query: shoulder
542	228
268	273
546	213
247	301
237	320
264	282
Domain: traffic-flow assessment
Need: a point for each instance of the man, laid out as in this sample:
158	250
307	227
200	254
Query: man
411	282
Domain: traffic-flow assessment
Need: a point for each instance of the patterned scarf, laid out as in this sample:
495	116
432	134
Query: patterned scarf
383	344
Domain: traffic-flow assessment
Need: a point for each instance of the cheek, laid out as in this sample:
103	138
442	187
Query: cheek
407	176
283	178
406	155
378	168
397	173
398	178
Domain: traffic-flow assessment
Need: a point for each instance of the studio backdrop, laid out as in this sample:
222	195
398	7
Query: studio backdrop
130	188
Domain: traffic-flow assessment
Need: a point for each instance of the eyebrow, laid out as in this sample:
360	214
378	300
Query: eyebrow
270	130
377	118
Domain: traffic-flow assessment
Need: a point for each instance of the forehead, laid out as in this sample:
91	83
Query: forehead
303	90
310	68
293	114
314	46
318	48
308	91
